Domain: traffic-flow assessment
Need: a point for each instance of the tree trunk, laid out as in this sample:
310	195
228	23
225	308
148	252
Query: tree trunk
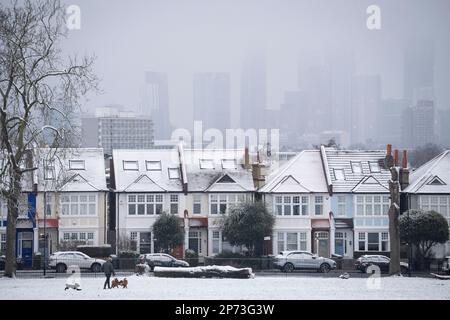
394	212
10	264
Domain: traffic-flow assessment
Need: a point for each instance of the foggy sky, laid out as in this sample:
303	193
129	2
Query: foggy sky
184	37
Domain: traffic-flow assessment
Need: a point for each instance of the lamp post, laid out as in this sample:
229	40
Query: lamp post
45	233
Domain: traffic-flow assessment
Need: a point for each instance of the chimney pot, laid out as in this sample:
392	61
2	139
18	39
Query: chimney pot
396	157
389	150
405	159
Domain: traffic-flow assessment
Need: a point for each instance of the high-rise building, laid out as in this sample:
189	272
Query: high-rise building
418	70
365	102
212	100
444	127
253	91
114	129
294	113
390	121
155	103
418	127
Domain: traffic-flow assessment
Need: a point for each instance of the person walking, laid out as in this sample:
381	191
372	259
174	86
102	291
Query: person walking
108	269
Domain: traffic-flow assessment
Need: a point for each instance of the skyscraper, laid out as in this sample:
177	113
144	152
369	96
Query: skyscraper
253	91
212	100
418	127
155	103
419	70
365	102
390	121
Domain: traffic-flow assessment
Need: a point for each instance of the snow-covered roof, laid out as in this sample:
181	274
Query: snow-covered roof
217	170
432	177
151	173
74	170
357	171
303	173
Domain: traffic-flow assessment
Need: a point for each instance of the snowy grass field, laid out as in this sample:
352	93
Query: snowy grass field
264	288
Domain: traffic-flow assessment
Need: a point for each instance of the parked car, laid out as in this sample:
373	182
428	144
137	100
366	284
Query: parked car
383	262
289	261
162	260
19	264
61	260
446	265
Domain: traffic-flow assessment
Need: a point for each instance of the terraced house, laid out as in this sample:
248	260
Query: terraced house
298	195
429	189
71	202
199	186
359	206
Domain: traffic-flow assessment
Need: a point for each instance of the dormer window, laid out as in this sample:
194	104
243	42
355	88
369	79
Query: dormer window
206	164
374	166
174	173
356	167
130	165
76	165
339	174
153	165
229	164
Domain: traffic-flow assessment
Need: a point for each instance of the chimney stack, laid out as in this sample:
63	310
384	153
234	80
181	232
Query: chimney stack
396	157
388	160
246	159
405	160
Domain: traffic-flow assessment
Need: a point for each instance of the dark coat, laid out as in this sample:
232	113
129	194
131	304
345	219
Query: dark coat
108	268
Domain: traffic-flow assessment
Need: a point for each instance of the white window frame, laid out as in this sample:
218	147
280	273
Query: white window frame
174	173
150	203
367	207
130	165
339	174
77	165
383	236
72	204
374	167
356	165
197	203
153	165
174	207
341	205
301	241
206	163
291	203
224	199
216	241
438	203
318	204
229	164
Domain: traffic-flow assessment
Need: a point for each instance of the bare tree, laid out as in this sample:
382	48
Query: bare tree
36	85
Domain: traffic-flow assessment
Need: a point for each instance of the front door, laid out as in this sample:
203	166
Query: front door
195	241
25	248
145	243
322	243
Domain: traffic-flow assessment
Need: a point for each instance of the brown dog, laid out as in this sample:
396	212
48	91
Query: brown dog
115	283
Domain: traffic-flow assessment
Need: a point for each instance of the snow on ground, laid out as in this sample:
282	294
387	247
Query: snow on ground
265	288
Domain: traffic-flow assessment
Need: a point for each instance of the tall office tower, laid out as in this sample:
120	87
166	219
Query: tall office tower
114	129
342	68
390	121
444	127
155	103
365	102
418	126
419	70
212	100
294	113
253	91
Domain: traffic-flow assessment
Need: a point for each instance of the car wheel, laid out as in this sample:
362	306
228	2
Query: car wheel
288	267
61	268
96	268
325	268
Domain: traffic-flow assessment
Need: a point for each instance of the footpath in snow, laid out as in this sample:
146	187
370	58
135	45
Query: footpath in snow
264	288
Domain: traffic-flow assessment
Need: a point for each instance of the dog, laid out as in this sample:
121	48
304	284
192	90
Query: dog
116	283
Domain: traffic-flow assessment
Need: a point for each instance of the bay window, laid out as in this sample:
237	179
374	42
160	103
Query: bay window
288	205
372	205
145	204
373	241
78	204
220	203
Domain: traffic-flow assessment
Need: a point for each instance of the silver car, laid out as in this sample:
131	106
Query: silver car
289	261
60	261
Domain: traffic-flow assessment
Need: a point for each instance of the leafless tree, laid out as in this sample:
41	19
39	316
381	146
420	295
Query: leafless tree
37	86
